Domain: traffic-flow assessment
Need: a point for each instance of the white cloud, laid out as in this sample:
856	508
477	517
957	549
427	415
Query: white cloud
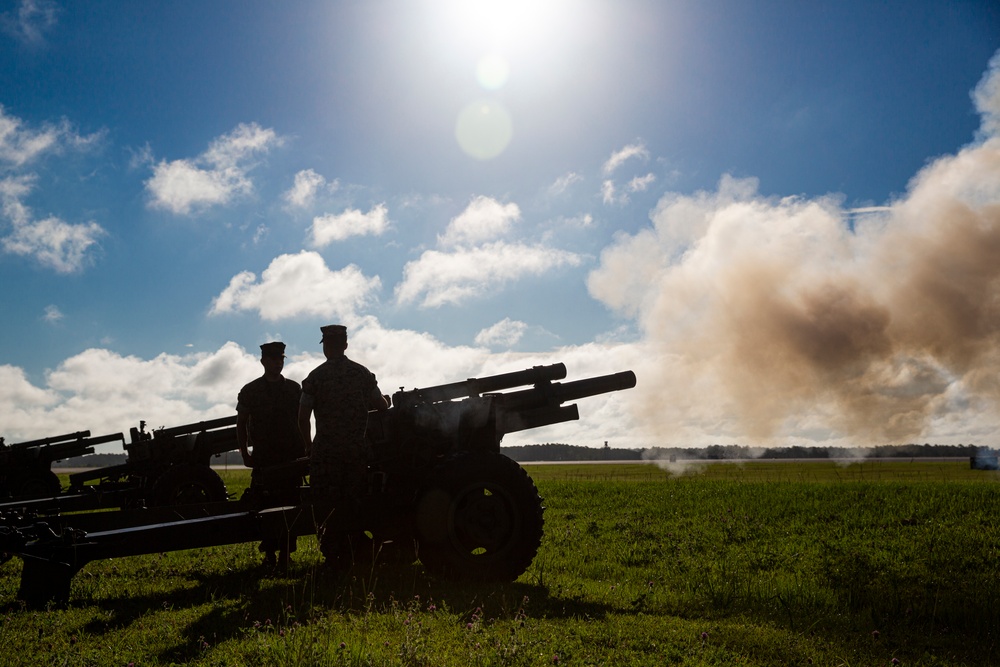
307	185
453	277
987	98
53	315
327	229
483	219
31	20
299	285
563	183
620	157
215	177
608	194
641	183
86	391
52	242
20	145
505	333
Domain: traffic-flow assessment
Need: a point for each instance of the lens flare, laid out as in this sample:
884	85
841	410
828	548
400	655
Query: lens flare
492	72
484	129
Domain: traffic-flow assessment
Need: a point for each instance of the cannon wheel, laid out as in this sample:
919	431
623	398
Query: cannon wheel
480	519
187	484
42	484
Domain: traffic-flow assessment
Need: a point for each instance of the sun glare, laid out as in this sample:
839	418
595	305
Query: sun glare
494	38
503	25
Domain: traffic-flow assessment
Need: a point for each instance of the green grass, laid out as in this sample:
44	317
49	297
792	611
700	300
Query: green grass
759	564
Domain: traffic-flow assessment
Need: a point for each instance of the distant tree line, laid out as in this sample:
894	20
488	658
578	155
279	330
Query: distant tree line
555	451
563	452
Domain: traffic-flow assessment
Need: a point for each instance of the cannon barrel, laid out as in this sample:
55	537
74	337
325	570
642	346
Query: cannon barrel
477	386
41	442
557	393
196	427
71	448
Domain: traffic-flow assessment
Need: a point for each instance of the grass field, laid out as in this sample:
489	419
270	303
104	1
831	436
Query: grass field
753	564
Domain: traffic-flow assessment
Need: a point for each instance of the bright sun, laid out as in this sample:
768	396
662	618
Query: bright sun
492	36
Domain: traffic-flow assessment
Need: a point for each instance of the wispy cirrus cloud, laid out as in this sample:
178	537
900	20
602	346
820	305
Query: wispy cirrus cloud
623	155
216	177
29	22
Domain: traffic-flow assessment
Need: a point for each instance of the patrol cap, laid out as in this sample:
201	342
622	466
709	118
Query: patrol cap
275	349
334	331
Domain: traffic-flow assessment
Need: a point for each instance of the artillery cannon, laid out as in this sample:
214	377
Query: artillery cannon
26	467
168	466
439	490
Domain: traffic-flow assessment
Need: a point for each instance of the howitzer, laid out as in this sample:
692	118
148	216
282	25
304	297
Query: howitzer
168	466
438	491
25	467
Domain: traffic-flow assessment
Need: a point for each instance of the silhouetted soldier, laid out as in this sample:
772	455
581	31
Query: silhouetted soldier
267	420
340	392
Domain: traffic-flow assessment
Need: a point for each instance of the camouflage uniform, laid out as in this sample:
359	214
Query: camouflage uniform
274	436
337	392
274	430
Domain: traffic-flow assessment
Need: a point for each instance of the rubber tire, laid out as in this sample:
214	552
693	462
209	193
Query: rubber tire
187	484
44	484
479	520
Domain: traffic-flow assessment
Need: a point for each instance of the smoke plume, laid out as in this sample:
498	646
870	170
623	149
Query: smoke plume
799	318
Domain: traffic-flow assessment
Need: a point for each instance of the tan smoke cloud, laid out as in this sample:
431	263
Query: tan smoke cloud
797	318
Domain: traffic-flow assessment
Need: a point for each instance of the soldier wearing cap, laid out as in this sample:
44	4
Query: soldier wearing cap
267	422
340	392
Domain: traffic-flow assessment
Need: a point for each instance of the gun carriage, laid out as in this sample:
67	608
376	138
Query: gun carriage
439	490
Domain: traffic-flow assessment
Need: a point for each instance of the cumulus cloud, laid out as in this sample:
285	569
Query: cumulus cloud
30	21
472	263
775	317
505	333
307	185
618	158
215	177
54	243
327	229
86	391
454	277
298	285
482	220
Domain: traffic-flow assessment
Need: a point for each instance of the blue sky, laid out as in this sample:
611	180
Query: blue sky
729	198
